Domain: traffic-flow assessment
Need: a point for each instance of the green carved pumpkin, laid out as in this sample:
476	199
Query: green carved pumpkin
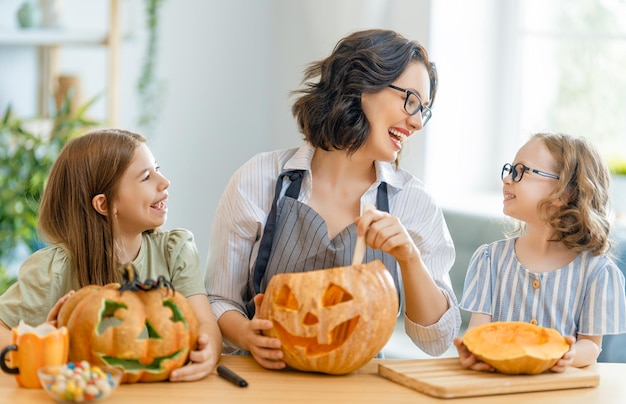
145	329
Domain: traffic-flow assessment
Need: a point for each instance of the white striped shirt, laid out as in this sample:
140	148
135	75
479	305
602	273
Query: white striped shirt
584	297
243	209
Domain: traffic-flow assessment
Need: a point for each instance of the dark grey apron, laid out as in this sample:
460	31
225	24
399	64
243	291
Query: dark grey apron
295	239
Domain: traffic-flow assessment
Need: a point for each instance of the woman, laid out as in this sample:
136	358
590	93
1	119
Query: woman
358	107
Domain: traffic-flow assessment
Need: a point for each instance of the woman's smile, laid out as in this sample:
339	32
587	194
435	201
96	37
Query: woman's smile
397	137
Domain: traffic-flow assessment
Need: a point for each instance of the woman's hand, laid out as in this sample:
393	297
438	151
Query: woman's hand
54	311
567	359
385	232
468	360
265	350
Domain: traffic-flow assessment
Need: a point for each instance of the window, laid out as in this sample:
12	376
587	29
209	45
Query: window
510	69
573	80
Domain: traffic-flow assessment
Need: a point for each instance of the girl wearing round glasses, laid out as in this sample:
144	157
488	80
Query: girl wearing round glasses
555	271
356	110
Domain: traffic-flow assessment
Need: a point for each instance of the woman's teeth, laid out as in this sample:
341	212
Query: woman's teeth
401	136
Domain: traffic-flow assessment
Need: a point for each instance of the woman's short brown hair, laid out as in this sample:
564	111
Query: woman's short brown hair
328	111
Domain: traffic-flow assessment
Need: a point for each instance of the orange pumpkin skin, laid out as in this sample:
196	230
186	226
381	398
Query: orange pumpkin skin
147	334
331	320
516	347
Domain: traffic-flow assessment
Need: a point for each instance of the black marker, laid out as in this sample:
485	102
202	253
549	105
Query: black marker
231	376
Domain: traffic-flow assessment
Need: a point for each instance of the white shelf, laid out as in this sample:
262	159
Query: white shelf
51	37
49	41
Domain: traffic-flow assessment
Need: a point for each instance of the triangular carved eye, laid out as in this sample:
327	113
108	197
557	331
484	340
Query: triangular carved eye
107	315
286	299
335	294
148	332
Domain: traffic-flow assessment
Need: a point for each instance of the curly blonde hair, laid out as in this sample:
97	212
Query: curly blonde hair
577	209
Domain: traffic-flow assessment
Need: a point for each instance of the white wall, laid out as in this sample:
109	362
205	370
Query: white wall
228	67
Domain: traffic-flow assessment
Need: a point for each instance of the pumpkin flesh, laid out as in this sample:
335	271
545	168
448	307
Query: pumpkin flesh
516	347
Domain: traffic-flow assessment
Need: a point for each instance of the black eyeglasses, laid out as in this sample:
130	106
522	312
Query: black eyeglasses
413	104
517	172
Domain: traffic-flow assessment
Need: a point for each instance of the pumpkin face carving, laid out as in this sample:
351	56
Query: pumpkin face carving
147	330
331	320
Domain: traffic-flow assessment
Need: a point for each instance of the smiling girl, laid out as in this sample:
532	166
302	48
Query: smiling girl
103	203
554	271
294	210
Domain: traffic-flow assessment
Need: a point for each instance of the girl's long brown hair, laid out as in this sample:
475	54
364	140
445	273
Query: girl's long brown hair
89	165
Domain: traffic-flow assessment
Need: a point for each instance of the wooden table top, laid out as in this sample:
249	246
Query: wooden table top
287	386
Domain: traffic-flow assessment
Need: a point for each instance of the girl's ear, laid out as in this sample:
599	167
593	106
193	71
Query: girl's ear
99	203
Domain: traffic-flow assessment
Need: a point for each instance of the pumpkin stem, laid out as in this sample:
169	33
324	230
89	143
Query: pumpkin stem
132	282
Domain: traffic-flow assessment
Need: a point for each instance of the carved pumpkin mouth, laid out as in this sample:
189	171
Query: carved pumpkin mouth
134	365
337	337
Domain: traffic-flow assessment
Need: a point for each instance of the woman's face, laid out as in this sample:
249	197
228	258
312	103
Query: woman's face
390	124
142	195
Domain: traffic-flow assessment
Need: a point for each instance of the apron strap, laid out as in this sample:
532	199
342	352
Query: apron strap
382	200
265	248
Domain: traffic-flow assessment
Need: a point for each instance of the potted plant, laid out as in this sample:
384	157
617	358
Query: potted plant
149	88
28	149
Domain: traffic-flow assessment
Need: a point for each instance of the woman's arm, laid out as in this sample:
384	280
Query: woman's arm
432	317
425	302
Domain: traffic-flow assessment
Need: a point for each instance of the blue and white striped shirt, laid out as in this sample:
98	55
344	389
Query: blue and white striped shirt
243	209
584	297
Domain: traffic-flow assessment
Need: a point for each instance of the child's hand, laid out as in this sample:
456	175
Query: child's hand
468	360
54	311
265	350
568	357
202	361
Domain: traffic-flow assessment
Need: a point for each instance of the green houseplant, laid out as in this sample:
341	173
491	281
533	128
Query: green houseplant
150	89
26	156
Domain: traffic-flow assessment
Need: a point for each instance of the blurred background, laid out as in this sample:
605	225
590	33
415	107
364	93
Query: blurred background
208	83
217	74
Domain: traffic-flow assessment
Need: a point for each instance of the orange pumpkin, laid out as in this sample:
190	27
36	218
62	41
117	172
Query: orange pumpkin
331	320
145	329
516	347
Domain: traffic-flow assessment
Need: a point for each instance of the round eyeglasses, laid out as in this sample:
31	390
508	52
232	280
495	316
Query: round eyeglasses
413	104
517	172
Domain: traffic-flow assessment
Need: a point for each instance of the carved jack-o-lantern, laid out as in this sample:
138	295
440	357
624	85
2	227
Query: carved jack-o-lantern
146	329
332	320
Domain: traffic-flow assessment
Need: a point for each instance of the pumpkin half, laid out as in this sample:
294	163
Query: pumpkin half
516	347
331	320
145	329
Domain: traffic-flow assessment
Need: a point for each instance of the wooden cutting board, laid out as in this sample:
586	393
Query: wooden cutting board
445	378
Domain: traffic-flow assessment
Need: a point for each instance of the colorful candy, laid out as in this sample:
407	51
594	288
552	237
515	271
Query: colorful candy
81	382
